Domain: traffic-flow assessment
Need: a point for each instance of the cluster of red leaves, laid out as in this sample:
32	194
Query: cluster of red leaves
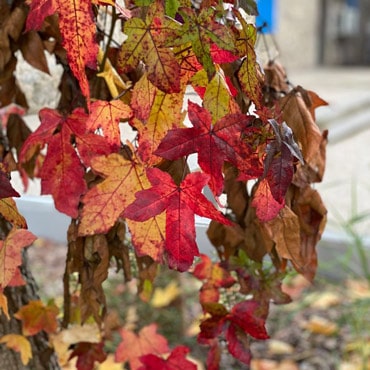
252	127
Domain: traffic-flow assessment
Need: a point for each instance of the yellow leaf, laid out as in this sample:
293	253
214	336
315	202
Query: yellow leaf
20	344
320	325
163	297
9	211
4	304
110	364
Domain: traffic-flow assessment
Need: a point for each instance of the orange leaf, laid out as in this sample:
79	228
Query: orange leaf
10	253
78	31
133	346
36	316
105	202
19	344
107	115
4	304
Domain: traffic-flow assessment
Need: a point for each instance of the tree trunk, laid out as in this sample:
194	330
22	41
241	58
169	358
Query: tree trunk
43	355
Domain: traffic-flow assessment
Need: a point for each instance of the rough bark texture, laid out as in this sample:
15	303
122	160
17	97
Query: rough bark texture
43	355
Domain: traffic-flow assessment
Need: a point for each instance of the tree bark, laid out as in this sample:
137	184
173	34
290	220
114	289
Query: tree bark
43	356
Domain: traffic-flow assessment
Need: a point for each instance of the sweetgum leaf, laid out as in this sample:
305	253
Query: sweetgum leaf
145	43
20	344
62	174
199	30
165	113
177	359
214	144
247	317
180	202
35	316
267	207
238	344
10	253
78	31
87	354
9	210
133	346
105	202
6	188
107	115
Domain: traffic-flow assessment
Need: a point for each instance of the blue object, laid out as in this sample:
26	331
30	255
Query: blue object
267	14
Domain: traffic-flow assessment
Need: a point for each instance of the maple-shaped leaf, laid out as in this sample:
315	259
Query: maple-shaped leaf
176	360
181	203
87	354
145	42
105	202
107	115
62	172
213	143
217	96
133	346
165	114
267	207
20	344
214	277
11	253
247	316
35	316
199	30
78	30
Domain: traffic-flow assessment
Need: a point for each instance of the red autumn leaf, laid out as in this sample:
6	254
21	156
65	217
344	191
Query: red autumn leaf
214	277
77	26
6	188
280	174
220	56
107	115
267	207
214	144
87	354
11	255
176	360
181	203
62	174
238	344
133	346
247	316
35	316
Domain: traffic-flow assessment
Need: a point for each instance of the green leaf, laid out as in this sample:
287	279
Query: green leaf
201	31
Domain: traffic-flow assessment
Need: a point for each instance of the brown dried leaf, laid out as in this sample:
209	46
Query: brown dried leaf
298	117
319	325
284	231
32	49
308	206
226	239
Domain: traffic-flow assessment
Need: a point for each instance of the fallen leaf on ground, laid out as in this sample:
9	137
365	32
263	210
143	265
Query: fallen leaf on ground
319	325
164	296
